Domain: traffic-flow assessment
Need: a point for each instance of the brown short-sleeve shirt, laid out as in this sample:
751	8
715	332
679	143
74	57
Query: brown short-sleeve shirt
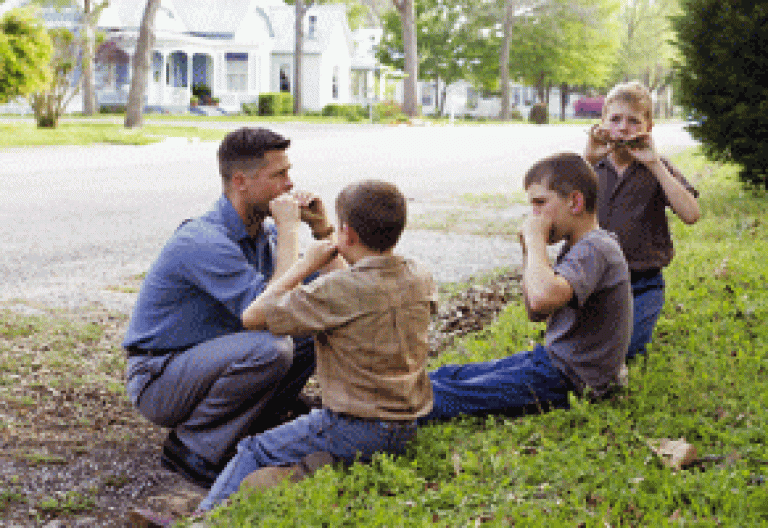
634	208
371	323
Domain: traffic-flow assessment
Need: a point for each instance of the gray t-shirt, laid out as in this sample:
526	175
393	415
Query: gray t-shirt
587	339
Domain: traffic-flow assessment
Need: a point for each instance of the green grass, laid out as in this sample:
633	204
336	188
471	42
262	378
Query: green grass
704	381
25	133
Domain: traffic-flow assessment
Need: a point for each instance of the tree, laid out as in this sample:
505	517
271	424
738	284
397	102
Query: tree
85	40
722	46
25	54
134	112
440	45
49	103
646	52
355	15
411	70
90	17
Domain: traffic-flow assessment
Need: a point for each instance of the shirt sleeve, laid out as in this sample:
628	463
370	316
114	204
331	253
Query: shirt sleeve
218	268
582	266
321	305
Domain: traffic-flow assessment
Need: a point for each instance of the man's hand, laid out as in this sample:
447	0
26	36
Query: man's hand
285	211
318	255
312	212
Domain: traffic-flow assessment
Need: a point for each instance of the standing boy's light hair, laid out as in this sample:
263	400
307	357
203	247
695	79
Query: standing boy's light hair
633	93
564	173
375	210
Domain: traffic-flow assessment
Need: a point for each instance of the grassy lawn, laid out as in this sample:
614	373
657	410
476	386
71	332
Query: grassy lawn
25	133
704	381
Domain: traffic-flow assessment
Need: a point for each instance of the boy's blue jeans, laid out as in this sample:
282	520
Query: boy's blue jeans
345	437
526	381
648	295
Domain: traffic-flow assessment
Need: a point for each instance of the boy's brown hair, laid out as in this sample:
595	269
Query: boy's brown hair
633	93
375	210
564	173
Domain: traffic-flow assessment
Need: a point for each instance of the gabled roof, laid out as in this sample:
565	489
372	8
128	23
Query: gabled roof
329	16
210	18
127	15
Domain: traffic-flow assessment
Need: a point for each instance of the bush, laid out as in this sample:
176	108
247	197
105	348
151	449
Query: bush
389	111
723	49
275	103
539	114
201	91
352	112
112	109
250	109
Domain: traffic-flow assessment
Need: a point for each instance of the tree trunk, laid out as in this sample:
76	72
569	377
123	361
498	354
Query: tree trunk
509	13
89	93
563	100
141	63
297	53
408	18
438	106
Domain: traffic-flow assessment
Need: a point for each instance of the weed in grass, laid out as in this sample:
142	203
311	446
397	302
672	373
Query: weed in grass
8	497
71	502
42	459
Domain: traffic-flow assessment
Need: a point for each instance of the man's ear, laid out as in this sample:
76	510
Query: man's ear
576	202
237	180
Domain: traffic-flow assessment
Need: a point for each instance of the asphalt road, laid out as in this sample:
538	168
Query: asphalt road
77	221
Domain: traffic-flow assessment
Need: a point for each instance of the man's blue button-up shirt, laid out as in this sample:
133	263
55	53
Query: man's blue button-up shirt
207	273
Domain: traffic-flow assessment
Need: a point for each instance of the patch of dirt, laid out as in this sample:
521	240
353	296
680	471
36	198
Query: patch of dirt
78	454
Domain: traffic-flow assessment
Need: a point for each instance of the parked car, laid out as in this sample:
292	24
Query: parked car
588	107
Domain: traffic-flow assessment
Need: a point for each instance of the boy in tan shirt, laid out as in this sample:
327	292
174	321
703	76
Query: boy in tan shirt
371	322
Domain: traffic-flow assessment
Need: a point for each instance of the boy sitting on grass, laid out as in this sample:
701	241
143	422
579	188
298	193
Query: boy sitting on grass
585	299
371	322
636	186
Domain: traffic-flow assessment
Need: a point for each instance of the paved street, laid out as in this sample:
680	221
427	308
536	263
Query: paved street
77	221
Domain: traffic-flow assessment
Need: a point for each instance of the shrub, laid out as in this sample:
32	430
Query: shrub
723	50
250	109
112	109
352	112
539	114
275	103
389	111
201	91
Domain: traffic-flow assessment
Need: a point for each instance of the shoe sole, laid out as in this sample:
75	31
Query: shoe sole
171	465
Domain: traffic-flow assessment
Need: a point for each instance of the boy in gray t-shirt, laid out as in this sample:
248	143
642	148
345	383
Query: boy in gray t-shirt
585	299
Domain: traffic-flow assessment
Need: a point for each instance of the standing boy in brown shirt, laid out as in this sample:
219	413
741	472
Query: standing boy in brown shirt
636	186
371	322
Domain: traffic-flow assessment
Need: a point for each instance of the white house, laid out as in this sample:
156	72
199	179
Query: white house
237	48
327	49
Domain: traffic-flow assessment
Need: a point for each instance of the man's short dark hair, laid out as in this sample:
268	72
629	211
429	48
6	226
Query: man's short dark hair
240	147
564	173
375	210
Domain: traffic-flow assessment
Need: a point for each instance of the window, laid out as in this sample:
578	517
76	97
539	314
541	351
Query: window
335	83
285	78
157	66
237	72
312	26
472	98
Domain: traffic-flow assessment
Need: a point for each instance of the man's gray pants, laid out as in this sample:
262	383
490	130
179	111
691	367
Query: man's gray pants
214	393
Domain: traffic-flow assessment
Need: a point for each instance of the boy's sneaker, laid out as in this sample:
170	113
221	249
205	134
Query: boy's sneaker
268	477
